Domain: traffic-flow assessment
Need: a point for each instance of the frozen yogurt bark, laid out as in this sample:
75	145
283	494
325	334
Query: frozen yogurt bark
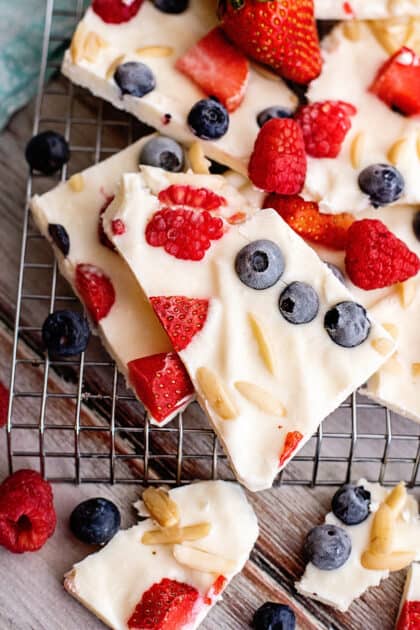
363	568
365	9
266	374
353	54
408	616
158	40
155	575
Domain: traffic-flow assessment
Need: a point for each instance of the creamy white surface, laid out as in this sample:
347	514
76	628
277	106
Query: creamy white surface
338	588
112	581
313	375
365	9
174	93
349	69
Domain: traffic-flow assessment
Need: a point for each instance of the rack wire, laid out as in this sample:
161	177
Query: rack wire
80	422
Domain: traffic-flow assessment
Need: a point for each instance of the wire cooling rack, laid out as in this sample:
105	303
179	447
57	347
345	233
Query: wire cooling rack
75	420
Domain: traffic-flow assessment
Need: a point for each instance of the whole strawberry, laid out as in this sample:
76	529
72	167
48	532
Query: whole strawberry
281	34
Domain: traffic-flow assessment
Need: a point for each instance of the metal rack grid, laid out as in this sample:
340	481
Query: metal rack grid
359	439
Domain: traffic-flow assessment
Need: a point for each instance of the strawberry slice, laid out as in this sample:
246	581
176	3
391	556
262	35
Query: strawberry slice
4	404
218	68
184	195
116	11
96	290
215	589
161	382
410	617
398	82
306	220
181	317
291	443
166	605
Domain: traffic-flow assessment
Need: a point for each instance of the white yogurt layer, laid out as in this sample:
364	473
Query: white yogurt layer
175	94
111	582
365	9
350	67
340	587
311	375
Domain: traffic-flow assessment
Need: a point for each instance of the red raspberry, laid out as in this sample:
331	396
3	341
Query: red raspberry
116	11
324	126
96	290
278	161
27	515
376	258
103	238
180	195
4	404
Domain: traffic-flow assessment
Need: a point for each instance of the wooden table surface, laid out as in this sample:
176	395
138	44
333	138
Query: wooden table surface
31	593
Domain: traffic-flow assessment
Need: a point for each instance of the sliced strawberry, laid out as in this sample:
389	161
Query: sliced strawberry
161	382
116	11
181	317
167	605
398	82
409	618
291	443
306	220
215	589
202	198
4	404
218	68
96	290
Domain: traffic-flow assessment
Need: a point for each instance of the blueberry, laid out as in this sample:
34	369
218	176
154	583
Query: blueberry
271	616
95	521
260	264
351	504
60	237
171	6
299	303
336	271
135	78
327	547
276	111
382	182
65	333
47	152
416	225
164	153
347	324
208	119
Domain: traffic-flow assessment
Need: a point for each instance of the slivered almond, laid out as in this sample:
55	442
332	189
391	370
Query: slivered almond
352	30
155	51
199	163
77	182
356	149
92	46
407	292
396	499
392	33
392	329
396	150
204	561
387	562
113	66
216	393
161	507
382	531
263	342
261	398
78	43
382	345
415	369
175	535
413	33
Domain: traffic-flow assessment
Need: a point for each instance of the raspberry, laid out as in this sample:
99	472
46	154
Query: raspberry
324	126
4	404
180	195
103	238
181	317
376	258
27	515
116	11
96	291
278	161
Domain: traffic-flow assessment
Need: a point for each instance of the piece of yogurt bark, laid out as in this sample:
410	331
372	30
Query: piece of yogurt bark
265	383
365	9
135	579
340	587
130	331
353	55
145	38
409	613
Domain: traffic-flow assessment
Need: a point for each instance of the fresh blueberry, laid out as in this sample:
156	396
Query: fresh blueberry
382	182
171	6
65	333
328	547
60	237
299	303
347	324
260	264
336	271
95	521
416	225
208	119
276	111
271	616
135	78
351	504
164	153
47	152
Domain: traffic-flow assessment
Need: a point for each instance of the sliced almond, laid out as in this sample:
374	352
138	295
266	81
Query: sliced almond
356	149
261	398
395	152
199	163
382	531
93	45
391	34
263	341
382	345
77	182
407	292
352	30
155	51
199	560
392	329
161	507
387	562
216	393
175	535
113	66
413	33
78	43
397	498
393	365
415	369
